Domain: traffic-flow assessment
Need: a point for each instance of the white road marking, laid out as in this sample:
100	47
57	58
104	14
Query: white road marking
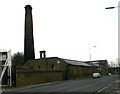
105	87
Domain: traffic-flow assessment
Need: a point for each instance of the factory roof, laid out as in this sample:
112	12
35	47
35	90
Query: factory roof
75	62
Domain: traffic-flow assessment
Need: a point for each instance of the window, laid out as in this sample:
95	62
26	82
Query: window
52	67
38	66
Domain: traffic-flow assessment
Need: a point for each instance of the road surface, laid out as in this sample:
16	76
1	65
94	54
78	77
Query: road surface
80	85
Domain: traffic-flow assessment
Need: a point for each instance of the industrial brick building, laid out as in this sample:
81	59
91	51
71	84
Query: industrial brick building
47	69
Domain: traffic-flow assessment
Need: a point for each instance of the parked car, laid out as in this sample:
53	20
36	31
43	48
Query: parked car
109	74
96	75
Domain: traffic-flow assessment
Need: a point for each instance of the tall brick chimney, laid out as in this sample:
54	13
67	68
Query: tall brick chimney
28	35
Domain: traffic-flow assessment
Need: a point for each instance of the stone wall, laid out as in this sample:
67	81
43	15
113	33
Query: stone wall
29	77
80	71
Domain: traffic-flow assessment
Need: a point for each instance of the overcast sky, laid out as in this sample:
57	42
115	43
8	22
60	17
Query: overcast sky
64	28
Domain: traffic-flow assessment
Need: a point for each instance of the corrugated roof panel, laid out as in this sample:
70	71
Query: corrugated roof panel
97	62
96	65
75	62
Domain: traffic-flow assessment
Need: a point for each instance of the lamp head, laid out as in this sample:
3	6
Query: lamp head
109	7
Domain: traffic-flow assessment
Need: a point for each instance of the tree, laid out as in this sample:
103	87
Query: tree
18	59
115	63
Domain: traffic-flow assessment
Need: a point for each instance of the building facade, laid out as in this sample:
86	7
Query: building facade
5	68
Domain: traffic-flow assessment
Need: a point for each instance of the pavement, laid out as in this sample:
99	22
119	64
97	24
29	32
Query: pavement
113	88
9	89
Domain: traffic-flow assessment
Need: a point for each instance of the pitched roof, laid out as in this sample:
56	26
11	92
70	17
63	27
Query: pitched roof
75	62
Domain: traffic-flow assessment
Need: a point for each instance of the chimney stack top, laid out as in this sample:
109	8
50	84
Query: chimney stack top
28	7
43	54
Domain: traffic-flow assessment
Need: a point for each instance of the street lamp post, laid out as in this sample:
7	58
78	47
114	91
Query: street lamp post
118	27
90	51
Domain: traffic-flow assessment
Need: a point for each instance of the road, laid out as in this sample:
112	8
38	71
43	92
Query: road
79	85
